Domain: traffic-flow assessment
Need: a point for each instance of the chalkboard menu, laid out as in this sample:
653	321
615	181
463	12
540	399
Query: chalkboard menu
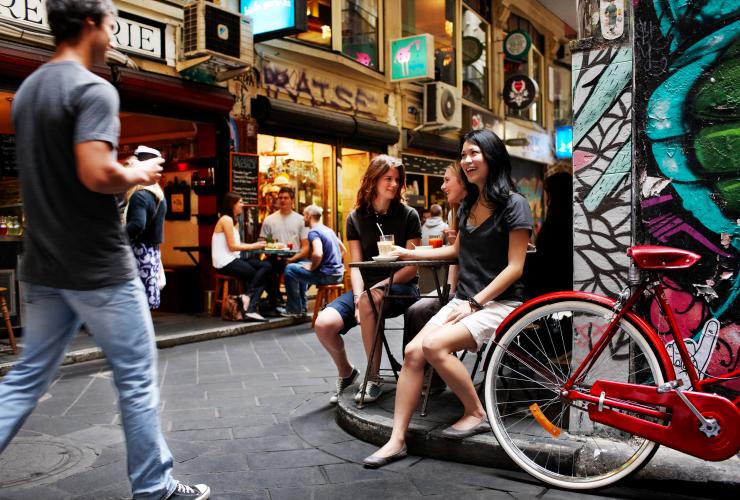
8	163
244	177
425	165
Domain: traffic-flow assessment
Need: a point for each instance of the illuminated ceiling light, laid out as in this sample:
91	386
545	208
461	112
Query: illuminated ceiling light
449	28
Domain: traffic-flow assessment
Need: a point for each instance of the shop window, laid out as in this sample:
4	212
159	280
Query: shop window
438	19
306	167
358	21
475	57
533	66
318	24
360	31
349	179
561	94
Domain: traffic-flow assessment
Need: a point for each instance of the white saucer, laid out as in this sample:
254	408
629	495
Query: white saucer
385	258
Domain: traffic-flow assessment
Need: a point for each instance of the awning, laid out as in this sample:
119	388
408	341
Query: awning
443	145
284	115
159	92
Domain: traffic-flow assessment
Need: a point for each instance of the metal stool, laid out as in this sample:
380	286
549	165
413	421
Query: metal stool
222	292
324	295
6	317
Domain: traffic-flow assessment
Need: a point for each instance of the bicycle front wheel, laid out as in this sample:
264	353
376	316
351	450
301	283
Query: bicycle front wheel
551	437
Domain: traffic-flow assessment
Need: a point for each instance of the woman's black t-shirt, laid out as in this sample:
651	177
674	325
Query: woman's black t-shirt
400	220
484	250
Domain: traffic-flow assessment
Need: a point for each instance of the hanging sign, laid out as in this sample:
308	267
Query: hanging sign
612	18
412	58
564	142
520	91
275	18
517	45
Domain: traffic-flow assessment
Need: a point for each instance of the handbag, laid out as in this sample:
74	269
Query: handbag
236	307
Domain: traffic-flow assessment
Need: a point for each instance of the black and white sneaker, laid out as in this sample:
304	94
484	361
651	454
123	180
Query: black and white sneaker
342	384
373	390
190	492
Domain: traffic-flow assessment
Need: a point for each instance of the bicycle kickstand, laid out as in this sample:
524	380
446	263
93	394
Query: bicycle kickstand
709	426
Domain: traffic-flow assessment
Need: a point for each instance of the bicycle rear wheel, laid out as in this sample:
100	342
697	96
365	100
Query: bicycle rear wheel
530	363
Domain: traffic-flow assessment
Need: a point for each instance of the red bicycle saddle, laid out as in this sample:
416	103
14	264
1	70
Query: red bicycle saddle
657	257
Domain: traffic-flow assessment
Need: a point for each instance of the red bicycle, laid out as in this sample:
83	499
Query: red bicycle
580	391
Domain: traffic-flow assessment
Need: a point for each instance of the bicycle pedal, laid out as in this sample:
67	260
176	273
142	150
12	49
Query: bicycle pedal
669	386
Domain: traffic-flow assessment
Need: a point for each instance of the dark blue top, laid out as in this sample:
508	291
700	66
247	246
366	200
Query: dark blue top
144	220
331	261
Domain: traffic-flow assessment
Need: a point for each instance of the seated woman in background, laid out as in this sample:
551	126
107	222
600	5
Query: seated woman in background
494	227
225	247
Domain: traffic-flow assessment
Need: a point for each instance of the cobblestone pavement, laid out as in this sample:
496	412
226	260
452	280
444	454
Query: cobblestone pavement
249	416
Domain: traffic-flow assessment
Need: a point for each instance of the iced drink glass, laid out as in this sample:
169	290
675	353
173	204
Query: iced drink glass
385	244
436	241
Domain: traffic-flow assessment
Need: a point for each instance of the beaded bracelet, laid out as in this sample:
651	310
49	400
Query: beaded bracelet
474	304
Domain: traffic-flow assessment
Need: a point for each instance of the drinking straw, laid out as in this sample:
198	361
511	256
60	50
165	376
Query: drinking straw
380	229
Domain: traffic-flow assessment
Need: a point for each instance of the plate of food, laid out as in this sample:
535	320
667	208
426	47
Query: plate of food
385	258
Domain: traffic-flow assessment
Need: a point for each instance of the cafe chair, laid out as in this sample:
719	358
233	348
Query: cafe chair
324	295
6	317
222	292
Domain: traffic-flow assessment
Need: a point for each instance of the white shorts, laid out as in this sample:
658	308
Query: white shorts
481	324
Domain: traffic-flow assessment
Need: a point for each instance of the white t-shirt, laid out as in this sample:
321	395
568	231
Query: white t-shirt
285	228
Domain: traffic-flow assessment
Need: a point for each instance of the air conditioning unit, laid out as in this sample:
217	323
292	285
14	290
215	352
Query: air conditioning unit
442	106
220	35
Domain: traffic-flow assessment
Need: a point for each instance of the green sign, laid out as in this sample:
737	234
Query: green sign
412	58
517	45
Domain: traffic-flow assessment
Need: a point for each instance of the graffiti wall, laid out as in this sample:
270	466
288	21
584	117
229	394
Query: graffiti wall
687	159
602	151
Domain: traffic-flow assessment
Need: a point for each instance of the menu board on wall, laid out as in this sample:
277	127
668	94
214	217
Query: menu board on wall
8	164
244	177
425	165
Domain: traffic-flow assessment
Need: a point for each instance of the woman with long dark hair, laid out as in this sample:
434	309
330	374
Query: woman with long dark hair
225	247
493	230
380	207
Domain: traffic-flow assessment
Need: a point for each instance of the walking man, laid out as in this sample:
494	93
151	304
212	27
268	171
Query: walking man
78	266
325	266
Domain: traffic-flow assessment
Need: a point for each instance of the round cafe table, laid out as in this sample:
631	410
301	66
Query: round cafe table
442	288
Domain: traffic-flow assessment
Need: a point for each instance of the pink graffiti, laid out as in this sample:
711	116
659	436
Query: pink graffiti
582	159
667	225
690	311
726	354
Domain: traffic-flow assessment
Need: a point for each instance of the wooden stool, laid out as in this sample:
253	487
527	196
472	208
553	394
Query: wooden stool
222	292
6	317
324	295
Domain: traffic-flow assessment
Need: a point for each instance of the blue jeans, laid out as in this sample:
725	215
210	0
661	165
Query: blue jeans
119	319
297	278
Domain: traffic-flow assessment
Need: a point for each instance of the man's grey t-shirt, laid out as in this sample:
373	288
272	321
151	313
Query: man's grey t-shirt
74	238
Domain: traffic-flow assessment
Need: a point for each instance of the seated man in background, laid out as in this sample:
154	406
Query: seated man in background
325	266
284	226
434	225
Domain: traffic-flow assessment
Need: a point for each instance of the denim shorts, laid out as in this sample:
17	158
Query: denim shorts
345	305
